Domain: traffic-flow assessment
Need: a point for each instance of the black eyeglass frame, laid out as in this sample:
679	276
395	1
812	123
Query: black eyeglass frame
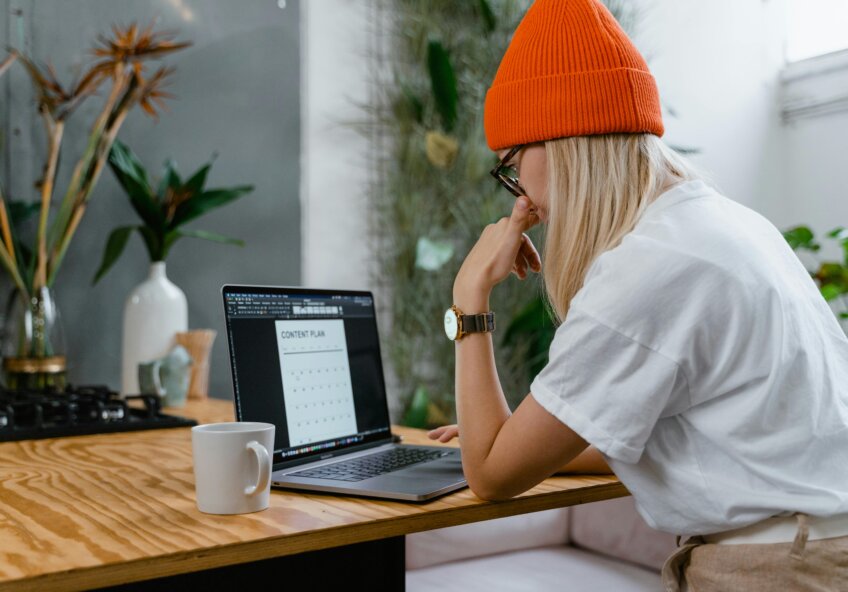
512	185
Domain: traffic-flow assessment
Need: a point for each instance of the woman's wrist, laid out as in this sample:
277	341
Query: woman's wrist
471	299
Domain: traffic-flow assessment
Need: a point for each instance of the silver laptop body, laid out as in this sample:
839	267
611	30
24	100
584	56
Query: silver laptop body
308	361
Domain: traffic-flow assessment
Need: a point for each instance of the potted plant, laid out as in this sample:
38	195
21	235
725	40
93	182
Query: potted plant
157	309
830	276
33	350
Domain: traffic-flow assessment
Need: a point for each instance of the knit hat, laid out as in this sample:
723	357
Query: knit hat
570	70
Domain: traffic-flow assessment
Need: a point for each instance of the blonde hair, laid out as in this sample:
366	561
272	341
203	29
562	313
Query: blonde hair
598	188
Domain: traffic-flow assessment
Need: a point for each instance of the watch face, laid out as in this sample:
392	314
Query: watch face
451	324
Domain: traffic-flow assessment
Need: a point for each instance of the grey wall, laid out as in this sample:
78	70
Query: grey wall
237	93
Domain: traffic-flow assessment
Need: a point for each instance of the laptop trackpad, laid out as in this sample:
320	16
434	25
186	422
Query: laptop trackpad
448	470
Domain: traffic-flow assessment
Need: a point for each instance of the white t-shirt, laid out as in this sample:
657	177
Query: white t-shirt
701	360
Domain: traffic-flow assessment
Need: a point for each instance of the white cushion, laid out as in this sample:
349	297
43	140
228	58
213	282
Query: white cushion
560	568
484	538
613	527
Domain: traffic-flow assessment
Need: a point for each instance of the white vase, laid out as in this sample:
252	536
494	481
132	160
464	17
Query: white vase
154	312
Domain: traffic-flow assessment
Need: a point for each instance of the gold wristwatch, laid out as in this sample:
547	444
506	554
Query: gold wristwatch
458	324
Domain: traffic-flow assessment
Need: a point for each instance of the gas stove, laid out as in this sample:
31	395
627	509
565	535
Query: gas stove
79	411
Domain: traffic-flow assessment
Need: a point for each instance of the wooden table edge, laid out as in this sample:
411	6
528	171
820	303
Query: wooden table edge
184	562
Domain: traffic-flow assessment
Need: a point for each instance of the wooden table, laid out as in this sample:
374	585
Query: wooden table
94	511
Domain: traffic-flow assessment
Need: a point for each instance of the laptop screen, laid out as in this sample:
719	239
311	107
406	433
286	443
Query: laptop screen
307	361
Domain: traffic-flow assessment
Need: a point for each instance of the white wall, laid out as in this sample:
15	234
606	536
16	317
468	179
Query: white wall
720	64
717	65
816	164
335	249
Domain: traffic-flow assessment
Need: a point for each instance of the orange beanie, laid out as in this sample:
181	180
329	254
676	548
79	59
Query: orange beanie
570	70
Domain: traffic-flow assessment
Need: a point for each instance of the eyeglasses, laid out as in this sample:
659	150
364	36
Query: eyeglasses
508	175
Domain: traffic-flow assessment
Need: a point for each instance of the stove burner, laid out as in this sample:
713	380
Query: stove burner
77	411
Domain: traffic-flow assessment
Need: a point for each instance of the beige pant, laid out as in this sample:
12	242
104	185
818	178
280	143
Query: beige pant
820	565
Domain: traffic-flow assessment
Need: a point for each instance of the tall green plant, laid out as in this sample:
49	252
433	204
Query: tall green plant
433	194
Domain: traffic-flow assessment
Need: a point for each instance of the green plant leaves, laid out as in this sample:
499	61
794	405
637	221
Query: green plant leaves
133	178
833	280
170	179
20	212
172	236
209	200
198	180
416	413
801	237
488	16
831	277
175	203
840	233
443	81
830	291
409	104
114	247
533	323
211	236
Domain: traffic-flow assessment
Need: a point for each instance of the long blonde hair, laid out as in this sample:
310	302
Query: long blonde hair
598	188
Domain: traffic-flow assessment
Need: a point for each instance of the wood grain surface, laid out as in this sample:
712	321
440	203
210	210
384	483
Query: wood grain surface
90	511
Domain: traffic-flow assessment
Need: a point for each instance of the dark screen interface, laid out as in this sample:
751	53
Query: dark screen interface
309	364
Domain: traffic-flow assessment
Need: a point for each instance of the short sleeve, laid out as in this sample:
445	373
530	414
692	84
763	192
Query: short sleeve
605	386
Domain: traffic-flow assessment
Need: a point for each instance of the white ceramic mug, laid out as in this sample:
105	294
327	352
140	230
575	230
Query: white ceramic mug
232	466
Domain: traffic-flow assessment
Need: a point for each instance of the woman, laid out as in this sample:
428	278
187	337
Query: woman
694	355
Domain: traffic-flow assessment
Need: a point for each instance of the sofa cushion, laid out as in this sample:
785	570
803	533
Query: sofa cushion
537	529
562	568
615	528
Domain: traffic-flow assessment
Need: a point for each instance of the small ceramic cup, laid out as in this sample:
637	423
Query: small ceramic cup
232	466
167	377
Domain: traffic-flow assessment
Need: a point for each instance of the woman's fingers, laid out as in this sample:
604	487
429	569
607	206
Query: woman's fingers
526	258
444	433
530	253
520	266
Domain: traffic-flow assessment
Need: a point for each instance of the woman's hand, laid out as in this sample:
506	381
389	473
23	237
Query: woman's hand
444	433
503	248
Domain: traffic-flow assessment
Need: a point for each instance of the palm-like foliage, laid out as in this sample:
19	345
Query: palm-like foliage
121	63
163	210
434	193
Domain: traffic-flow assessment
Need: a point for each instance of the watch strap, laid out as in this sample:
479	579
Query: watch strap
483	322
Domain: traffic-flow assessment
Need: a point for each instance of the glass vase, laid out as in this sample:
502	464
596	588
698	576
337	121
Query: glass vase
33	343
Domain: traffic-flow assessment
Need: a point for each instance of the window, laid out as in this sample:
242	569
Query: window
815	27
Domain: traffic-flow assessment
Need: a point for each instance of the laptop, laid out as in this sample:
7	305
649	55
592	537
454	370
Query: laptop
308	361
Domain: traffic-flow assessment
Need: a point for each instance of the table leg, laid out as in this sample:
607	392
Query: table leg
373	565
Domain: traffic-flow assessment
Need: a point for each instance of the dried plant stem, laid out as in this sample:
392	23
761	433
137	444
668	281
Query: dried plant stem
54	131
101	153
5	228
7	62
8	254
8	261
121	80
7	248
56	260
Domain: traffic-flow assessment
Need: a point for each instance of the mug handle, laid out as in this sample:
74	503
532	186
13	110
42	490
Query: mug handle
157	378
264	461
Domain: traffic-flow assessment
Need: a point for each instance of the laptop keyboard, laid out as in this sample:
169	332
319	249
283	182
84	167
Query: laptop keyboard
372	465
